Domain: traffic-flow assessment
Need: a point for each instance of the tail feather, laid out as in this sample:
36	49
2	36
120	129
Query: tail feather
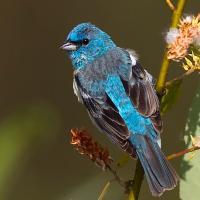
159	173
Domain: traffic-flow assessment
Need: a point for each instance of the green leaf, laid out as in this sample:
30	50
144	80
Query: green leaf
169	99
190	168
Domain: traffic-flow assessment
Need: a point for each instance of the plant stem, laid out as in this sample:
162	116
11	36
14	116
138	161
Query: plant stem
165	63
181	153
104	191
116	177
139	173
177	13
137	182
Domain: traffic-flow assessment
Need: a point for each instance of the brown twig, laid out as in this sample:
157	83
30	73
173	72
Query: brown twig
181	153
116	176
170	4
182	76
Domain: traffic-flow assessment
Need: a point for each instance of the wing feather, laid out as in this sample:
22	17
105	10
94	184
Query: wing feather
141	89
107	118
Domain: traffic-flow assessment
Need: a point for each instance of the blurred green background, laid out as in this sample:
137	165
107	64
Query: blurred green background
38	107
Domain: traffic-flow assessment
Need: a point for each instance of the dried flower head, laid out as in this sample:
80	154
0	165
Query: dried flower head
180	39
84	144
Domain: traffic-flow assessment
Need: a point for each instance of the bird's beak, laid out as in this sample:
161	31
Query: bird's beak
69	46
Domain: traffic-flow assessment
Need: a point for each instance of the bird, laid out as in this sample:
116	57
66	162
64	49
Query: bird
121	100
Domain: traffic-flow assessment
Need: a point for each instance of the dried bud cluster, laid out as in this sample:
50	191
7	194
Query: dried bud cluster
179	40
195	141
84	144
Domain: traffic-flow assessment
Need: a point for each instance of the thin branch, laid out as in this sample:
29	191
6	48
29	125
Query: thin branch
116	176
181	77
165	63
170	4
181	153
104	191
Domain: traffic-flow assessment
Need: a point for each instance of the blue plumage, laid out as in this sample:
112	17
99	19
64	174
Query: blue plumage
98	46
135	122
121	100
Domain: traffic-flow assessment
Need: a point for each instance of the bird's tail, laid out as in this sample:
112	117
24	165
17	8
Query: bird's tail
159	173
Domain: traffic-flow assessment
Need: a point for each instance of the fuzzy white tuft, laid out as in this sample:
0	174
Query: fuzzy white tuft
133	56
188	19
171	35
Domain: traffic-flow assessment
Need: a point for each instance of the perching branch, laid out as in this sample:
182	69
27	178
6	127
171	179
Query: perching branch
181	153
139	173
137	182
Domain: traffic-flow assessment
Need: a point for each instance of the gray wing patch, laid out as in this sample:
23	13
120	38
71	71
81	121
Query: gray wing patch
106	117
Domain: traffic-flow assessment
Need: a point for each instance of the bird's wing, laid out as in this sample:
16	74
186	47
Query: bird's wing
141	89
106	117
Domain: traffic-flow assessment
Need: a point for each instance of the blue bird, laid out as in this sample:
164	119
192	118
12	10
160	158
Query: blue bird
121	100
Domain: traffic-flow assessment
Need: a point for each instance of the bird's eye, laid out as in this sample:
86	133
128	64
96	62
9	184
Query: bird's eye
85	41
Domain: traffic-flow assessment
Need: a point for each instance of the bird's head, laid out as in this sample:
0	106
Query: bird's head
85	43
